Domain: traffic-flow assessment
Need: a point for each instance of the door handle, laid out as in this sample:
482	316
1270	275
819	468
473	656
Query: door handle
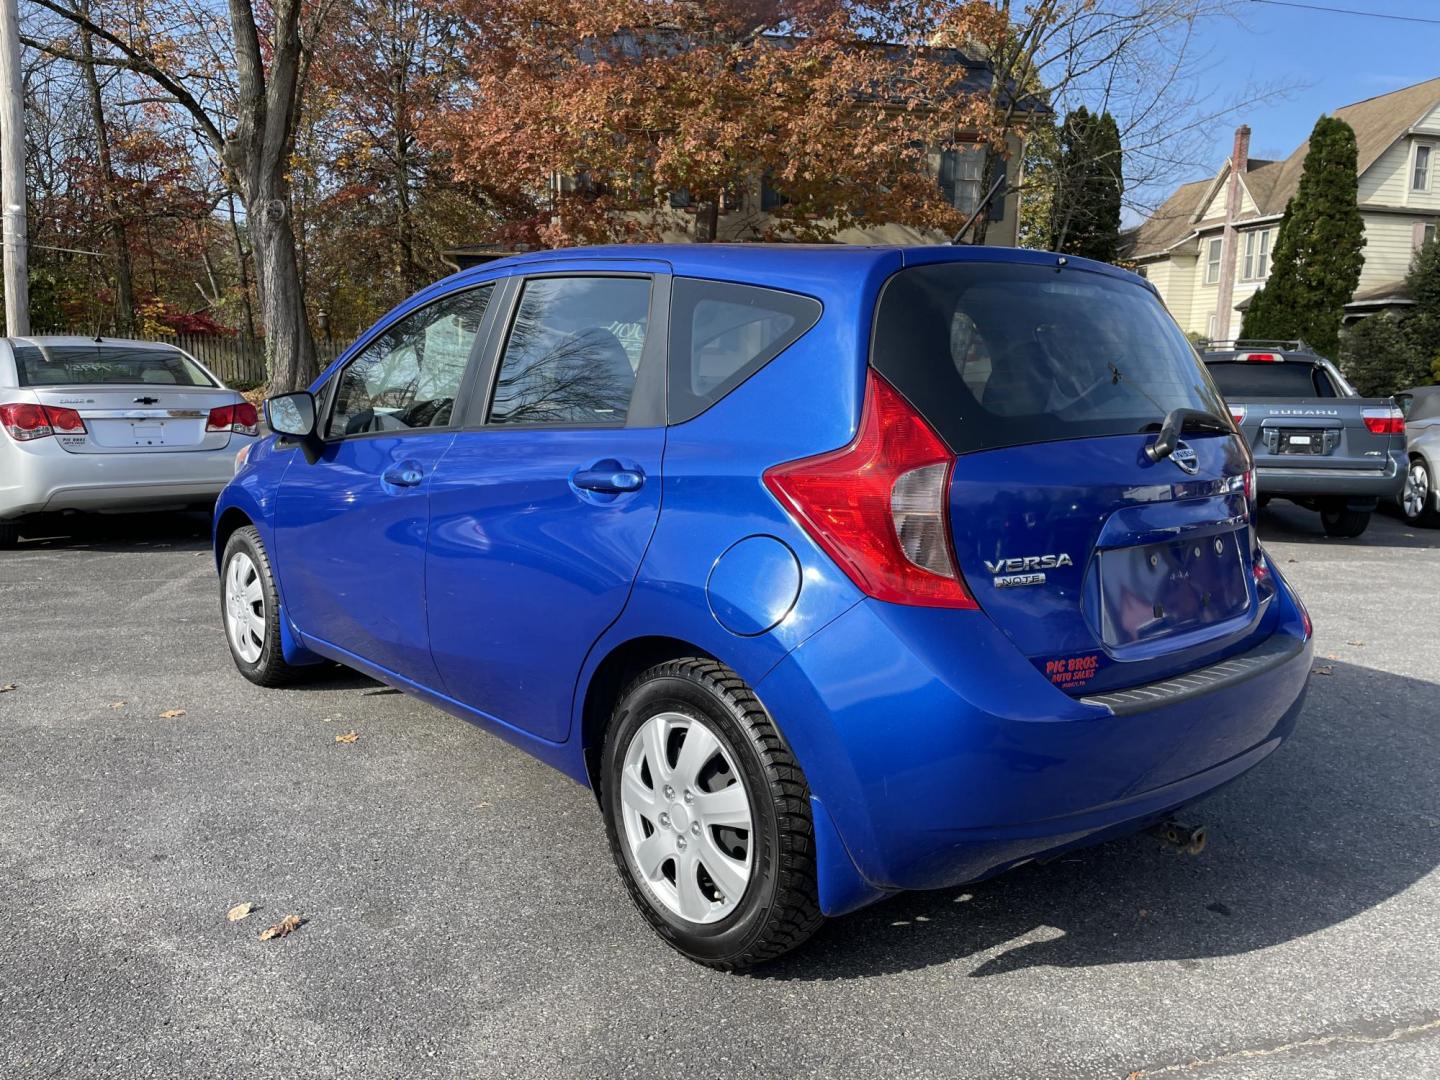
611	481
405	474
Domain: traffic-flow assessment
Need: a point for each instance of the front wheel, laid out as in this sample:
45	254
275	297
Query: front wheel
708	816
1340	521
250	609
1418	501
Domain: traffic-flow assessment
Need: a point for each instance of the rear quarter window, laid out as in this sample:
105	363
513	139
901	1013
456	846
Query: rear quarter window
1006	354
721	333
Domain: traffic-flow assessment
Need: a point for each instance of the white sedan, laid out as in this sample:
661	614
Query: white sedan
110	424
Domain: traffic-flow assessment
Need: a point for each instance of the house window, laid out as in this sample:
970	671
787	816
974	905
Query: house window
1211	326
1420	179
1212	261
1257	256
1427	234
961	172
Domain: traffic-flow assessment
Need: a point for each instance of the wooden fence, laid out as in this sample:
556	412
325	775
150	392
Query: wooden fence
236	360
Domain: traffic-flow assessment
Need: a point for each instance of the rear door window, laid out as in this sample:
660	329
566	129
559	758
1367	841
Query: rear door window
102	362
722	333
1281	379
1006	354
573	352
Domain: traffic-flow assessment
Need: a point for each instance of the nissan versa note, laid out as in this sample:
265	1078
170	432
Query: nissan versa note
833	571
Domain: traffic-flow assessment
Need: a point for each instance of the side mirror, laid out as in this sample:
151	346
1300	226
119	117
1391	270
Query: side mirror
293	415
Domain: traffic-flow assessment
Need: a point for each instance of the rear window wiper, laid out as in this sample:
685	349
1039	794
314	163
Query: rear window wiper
1176	421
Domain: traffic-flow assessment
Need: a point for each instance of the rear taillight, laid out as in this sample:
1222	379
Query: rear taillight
1250	485
1260	358
1389	421
1237	413
878	507
23	421
242	419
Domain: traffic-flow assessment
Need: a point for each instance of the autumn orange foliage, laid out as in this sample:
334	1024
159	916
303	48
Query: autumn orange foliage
601	115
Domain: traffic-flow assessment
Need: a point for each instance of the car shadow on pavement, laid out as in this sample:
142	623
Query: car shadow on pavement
175	530
1338	820
1285	522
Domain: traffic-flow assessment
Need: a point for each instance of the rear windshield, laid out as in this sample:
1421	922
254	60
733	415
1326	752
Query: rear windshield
1000	354
1282	379
102	362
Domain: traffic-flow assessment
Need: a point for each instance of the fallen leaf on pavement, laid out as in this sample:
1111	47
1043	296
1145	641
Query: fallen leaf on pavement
1138	1074
1356	643
171	714
1324	670
288	925
348	737
117	704
8	687
239	911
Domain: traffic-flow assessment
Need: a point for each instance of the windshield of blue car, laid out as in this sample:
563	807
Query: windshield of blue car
101	362
1006	354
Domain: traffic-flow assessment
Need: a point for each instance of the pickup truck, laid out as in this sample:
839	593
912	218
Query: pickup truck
1315	441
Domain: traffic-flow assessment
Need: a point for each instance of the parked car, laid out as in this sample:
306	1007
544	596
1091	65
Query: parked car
832	571
1420	501
108	424
1315	440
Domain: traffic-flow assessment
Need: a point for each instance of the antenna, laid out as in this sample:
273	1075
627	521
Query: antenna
984	205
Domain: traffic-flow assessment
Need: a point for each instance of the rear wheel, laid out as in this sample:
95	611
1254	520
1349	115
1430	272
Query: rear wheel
708	816
249	607
1340	521
1418	500
9	534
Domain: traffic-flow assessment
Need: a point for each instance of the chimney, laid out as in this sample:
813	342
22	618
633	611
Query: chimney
1240	153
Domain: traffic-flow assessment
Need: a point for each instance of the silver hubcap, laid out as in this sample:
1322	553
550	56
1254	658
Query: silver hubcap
244	608
1417	489
686	817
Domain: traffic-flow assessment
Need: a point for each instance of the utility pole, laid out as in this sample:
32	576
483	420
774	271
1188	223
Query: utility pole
12	173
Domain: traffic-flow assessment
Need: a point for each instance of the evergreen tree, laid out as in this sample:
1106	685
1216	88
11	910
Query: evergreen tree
1088	187
1318	248
1389	352
1422	322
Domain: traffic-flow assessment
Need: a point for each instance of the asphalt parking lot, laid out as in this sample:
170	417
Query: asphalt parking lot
463	918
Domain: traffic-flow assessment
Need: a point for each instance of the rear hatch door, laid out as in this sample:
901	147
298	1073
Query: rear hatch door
1105	568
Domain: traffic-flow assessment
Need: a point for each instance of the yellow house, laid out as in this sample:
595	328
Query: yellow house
1207	249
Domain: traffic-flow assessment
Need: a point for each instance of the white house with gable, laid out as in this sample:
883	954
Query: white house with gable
1207	249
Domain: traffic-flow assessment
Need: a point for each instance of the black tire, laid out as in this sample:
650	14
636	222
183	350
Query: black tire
269	668
780	908
1419	473
1340	521
9	534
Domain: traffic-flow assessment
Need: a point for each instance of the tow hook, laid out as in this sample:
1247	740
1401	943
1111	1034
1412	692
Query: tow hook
1187	838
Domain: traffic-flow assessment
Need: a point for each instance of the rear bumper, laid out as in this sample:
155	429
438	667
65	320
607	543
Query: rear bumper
938	755
40	477
1383	483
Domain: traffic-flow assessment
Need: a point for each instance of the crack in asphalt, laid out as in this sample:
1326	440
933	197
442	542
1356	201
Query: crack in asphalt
1319	1042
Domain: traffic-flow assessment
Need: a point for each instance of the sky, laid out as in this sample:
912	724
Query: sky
1328	60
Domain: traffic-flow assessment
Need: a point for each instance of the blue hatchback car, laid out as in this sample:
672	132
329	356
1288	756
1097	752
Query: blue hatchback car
833	571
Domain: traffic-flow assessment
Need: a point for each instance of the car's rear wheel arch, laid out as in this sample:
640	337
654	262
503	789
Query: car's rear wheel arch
613	676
